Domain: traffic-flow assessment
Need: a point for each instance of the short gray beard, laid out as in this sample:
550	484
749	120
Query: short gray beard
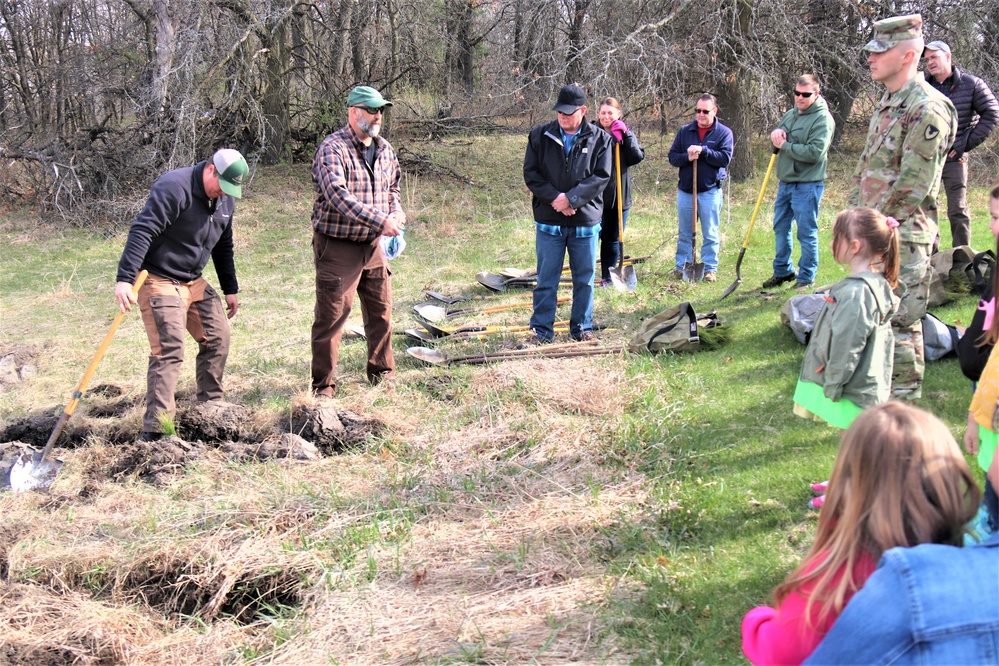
368	127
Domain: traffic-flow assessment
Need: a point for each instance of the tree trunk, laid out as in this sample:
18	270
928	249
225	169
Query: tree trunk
733	84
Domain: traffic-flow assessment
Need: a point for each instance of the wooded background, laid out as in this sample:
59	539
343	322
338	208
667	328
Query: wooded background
97	97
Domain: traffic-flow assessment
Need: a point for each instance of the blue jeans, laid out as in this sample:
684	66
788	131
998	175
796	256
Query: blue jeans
800	202
551	252
708	209
610	245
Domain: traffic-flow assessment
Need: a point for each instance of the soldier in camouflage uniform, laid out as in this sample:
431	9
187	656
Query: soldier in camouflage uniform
899	174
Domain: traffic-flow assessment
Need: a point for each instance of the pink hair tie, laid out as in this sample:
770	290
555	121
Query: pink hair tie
891	222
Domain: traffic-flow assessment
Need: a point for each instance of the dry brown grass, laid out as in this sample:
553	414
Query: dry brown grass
476	541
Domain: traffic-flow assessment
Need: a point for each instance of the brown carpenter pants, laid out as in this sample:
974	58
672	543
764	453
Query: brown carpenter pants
168	308
344	268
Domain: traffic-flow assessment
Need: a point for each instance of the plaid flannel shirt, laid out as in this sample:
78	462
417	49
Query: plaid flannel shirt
353	201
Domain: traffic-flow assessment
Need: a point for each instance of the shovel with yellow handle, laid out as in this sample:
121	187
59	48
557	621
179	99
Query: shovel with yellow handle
34	470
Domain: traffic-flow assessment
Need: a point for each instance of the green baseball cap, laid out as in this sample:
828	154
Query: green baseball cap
890	31
367	96
231	168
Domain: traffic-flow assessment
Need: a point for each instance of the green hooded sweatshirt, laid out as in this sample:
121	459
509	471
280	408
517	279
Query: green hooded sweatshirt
803	158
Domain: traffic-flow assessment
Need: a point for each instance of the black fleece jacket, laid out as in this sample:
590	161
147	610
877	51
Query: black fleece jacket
178	229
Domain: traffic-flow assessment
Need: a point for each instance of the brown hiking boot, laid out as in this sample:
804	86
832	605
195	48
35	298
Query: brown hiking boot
585	336
711	276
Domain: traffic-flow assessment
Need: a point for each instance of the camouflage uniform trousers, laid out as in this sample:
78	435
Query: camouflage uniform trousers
907	325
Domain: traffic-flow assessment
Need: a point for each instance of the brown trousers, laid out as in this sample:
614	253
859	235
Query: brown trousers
344	268
168	308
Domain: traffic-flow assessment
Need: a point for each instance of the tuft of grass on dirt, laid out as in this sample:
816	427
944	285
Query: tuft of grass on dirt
590	510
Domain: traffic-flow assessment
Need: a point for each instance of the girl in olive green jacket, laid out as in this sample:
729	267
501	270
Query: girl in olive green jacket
848	361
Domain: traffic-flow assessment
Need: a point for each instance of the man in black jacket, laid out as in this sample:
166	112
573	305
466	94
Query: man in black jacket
186	219
566	167
977	114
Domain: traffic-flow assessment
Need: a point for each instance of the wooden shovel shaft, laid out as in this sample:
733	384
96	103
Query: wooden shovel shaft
89	373
540	352
501	308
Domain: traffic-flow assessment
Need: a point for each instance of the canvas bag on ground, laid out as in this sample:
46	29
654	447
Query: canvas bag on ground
939	339
799	312
958	270
674	329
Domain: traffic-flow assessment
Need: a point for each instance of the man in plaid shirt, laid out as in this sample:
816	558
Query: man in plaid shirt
356	177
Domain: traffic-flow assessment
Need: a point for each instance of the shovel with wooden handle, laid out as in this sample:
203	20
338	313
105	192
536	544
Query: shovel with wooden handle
623	277
33	470
692	270
435	313
752	221
587	348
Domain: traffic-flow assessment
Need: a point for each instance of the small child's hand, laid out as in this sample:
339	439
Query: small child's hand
971	440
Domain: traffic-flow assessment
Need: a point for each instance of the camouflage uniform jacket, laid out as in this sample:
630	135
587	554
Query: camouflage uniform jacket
899	170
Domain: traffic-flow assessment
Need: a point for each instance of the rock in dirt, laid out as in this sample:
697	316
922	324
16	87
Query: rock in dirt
286	445
216	421
8	370
331	430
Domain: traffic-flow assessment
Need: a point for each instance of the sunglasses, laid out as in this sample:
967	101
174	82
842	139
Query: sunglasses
369	110
704	111
806	95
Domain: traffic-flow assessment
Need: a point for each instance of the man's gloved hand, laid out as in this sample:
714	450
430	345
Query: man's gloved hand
618	129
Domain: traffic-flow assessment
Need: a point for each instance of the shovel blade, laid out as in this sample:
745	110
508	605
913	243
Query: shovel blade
491	281
32	472
693	272
432	313
431	356
624	278
731	288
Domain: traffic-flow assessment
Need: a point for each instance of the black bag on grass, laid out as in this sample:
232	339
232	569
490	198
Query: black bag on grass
677	329
959	270
939	339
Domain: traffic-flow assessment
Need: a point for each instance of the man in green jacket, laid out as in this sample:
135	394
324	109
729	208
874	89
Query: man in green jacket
802	139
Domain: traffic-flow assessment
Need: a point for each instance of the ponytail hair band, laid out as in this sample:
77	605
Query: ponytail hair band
891	222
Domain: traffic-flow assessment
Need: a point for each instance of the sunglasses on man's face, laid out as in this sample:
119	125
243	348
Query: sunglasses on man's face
806	95
369	110
704	111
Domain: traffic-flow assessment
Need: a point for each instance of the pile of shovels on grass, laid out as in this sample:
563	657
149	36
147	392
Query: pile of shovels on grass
432	330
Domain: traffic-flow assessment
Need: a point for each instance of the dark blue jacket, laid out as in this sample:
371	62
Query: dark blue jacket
718	146
178	229
977	109
582	176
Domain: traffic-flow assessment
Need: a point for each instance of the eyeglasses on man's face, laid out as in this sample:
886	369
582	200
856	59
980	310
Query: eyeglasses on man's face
370	111
806	95
704	111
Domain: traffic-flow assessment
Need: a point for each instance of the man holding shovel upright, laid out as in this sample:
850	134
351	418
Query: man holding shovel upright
908	139
703	149
356	175
802	139
186	219
567	166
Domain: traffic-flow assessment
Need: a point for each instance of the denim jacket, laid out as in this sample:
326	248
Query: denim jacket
930	604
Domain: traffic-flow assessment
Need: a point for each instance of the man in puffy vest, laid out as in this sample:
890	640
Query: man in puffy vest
977	114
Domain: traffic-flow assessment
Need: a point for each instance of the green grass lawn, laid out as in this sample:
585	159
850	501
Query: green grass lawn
684	479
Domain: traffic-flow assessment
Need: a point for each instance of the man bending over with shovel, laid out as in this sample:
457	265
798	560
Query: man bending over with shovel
186	219
567	166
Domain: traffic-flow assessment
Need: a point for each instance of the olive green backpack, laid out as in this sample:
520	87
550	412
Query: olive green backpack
677	329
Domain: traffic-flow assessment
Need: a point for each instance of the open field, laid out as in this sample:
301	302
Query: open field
607	510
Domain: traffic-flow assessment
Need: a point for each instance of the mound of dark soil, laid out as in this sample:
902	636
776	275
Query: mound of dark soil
285	445
35	429
157	461
217	421
331	430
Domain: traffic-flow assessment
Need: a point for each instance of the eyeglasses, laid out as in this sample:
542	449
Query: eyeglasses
806	95
704	111
369	110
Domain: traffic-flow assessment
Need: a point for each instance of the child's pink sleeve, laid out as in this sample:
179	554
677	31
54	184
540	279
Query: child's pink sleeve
780	636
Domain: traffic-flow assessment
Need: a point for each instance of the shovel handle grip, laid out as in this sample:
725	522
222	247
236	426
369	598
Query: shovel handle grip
91	369
759	199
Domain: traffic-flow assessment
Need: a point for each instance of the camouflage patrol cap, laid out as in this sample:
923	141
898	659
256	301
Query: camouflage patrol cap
890	31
